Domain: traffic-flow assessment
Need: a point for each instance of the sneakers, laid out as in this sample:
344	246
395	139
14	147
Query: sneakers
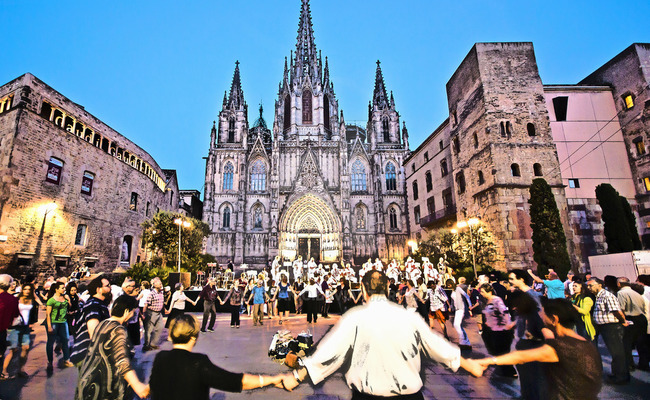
67	364
232	326
237	326
210	330
49	368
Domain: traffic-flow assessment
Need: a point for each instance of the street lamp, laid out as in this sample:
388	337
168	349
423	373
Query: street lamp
469	223
414	245
181	223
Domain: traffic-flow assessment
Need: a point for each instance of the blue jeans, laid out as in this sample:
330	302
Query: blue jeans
60	333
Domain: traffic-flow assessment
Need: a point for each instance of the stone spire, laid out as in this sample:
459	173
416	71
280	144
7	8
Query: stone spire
306	60
236	97
379	97
326	77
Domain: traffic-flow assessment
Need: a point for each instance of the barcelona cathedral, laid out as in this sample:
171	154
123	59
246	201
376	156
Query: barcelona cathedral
309	185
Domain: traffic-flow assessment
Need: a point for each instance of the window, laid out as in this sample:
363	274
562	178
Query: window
133	205
640	146
258	175
508	129
358	177
257	218
431	205
171	197
415	190
392	213
413	167
391	178
226	217
537	169
306	107
646	181
426	156
440	145
456	143
231	130
87	183
514	170
326	112
54	169
560	105
361	218
80	237
629	101
147	209
475	140
429	181
530	127
287	113
385	129
460	182
228	173
502	128
416	214
575	183
481	180
443	168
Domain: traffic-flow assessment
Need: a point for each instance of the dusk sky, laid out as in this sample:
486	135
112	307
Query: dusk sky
156	71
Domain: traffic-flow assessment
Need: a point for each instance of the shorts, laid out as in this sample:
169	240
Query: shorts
18	338
438	314
283	305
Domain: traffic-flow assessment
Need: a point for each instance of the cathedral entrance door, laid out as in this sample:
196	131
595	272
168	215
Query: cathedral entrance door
309	247
314	249
303	248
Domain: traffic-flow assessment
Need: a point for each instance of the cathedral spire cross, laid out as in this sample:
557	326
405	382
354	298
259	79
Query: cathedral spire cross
306	54
236	97
379	97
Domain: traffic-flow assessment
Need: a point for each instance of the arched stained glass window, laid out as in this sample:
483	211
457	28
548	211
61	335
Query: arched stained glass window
307	107
361	218
391	177
258	176
358	177
257	218
228	172
385	130
226	217
392	213
231	130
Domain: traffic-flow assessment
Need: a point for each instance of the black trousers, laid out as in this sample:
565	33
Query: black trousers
357	395
612	335
633	336
532	378
234	314
208	309
310	306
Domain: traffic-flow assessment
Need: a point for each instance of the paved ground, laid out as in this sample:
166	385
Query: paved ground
246	349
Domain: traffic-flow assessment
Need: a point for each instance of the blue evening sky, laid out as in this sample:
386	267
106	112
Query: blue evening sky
156	71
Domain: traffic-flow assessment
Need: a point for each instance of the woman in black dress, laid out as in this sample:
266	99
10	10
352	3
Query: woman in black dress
181	374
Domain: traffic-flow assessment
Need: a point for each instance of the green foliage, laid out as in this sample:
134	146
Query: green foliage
617	226
549	241
631	224
145	272
456	249
160	236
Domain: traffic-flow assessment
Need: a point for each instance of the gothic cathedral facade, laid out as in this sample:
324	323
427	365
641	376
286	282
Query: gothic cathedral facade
311	185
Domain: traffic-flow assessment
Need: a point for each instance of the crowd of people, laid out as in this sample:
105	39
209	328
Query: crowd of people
553	324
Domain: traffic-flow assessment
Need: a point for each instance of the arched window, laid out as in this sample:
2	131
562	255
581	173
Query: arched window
257	217
443	168
391	178
385	129
326	112
228	172
481	180
306	107
258	175
358	177
508	129
460	182
361	218
231	130
287	113
530	127
429	181
415	190
502	128
392	213
537	169
226	217
475	140
514	170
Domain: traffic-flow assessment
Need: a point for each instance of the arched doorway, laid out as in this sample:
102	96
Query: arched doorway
309	228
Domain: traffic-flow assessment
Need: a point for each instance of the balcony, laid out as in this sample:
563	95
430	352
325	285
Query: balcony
438	217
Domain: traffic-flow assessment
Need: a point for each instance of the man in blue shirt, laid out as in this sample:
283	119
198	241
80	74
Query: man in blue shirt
554	286
259	297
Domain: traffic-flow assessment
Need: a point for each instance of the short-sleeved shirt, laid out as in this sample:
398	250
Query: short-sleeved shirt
59	310
178	300
94	308
8	310
180	374
155	301
258	295
605	306
554	289
284	292
578	373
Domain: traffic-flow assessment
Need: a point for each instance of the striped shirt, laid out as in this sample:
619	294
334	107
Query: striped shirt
92	309
605	306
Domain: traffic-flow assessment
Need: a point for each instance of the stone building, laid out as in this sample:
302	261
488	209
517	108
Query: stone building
309	185
74	191
506	128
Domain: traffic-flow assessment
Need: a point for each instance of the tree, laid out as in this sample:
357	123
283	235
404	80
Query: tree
631	224
161	237
549	240
617	226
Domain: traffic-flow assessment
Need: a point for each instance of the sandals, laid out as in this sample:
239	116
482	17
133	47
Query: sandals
3	377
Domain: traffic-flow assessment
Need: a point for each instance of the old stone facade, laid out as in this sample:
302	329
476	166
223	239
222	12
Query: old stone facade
74	191
505	128
310	186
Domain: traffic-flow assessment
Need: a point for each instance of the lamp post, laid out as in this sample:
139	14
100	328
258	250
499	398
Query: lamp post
470	223
181	223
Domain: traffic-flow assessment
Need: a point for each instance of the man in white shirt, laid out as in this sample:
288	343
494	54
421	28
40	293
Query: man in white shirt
379	366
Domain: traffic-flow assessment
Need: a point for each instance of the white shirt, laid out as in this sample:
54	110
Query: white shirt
145	295
385	364
312	290
178	300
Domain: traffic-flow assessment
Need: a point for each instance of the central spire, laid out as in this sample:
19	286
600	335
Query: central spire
379	98
236	97
306	61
